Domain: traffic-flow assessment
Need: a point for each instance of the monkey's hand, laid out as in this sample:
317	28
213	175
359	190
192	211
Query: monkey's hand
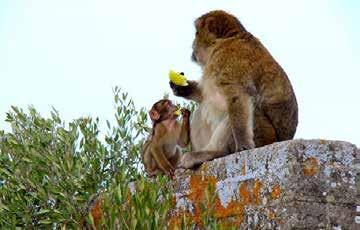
191	159
185	113
178	90
172	175
191	91
245	146
242	140
186	161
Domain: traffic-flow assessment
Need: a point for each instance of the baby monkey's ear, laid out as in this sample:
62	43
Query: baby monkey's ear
154	114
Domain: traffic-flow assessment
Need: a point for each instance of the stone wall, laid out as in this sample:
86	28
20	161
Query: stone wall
301	184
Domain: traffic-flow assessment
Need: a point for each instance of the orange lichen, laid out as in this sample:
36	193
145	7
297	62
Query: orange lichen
97	208
96	211
275	192
310	166
244	193
233	208
256	191
250	195
205	201
199	187
173	201
271	215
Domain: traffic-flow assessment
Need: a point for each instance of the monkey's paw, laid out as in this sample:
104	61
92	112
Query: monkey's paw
245	146
185	112
187	161
181	91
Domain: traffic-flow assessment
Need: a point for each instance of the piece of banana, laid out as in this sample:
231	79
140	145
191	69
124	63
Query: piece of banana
177	112
177	78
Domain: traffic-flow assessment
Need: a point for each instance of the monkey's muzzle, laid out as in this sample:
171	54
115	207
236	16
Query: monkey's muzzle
193	57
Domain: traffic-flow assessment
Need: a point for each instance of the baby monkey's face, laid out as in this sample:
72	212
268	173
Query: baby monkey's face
163	110
170	109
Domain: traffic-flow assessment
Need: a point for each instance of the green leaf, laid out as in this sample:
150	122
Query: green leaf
45	221
43	211
3	207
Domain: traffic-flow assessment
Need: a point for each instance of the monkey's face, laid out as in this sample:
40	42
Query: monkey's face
202	42
210	27
163	110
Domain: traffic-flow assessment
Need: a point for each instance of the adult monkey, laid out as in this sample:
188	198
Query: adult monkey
245	98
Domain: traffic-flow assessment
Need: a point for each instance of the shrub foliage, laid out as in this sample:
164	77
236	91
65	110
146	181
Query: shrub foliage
51	171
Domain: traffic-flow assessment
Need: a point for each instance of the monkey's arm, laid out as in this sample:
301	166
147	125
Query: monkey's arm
145	149
146	156
241	116
161	160
185	129
192	91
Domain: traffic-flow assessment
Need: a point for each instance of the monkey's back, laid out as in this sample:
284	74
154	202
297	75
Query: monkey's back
246	64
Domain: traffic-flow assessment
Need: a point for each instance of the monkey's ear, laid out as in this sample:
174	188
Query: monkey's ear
199	23
207	24
154	115
210	25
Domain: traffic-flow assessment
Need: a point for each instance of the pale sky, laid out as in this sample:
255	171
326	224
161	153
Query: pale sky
70	54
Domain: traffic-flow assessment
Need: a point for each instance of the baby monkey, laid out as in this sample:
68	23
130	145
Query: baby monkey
161	152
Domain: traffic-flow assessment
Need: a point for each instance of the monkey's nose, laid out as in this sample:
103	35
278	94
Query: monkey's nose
193	57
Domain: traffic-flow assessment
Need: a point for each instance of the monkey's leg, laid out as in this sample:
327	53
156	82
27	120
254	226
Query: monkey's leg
151	167
161	161
264	131
220	144
191	91
155	173
283	117
200	130
241	118
184	139
175	160
147	159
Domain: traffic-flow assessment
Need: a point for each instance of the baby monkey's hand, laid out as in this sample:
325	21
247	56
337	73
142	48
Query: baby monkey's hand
185	113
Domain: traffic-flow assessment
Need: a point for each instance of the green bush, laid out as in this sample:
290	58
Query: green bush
50	171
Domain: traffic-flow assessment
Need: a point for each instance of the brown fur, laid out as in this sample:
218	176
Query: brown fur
161	152
245	98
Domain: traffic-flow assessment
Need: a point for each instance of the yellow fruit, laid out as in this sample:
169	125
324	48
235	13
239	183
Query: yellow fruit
177	112
177	78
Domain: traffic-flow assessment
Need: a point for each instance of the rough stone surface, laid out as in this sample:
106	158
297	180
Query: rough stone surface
298	184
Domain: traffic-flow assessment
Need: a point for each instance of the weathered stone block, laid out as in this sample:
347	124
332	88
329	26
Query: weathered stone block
300	184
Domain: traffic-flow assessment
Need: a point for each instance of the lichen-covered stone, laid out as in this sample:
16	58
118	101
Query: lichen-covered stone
293	184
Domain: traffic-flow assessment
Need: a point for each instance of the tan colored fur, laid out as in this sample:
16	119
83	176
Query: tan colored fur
243	91
161	152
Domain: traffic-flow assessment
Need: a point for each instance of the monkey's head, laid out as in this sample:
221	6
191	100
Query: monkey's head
211	26
162	110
